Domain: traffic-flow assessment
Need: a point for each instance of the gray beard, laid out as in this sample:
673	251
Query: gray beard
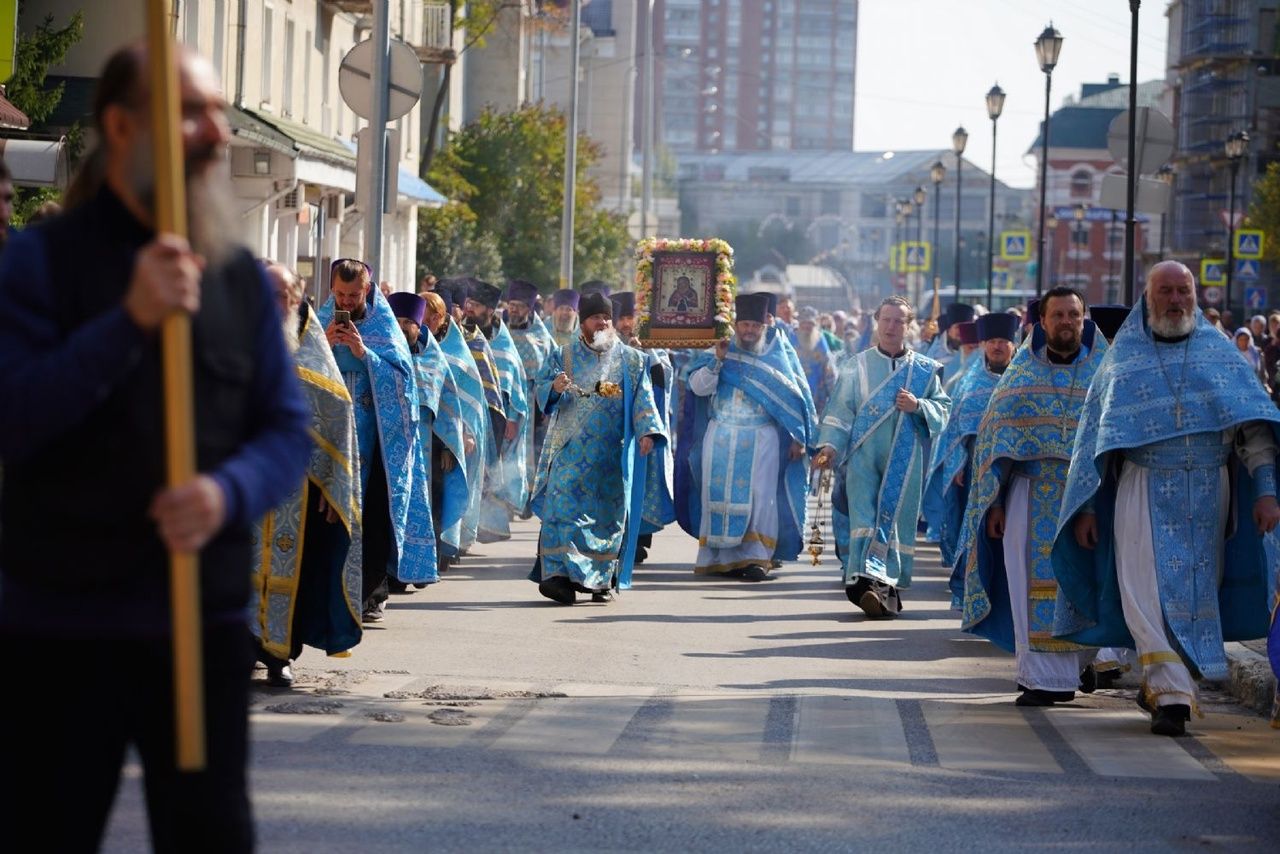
212	219
1170	328
563	326
754	349
289	324
808	342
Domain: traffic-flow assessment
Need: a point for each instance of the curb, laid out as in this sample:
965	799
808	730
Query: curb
1250	679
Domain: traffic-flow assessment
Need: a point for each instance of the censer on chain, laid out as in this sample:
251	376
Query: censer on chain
816	542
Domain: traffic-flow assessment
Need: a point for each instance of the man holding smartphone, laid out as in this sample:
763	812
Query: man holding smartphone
372	354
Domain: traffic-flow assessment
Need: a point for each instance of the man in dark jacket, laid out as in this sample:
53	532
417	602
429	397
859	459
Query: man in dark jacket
88	520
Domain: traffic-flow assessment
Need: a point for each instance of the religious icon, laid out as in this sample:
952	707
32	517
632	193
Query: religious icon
684	290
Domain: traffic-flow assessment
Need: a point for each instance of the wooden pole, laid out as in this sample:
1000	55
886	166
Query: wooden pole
179	420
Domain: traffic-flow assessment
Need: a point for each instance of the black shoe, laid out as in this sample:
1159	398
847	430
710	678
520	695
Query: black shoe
1088	680
642	554
558	589
755	573
279	673
1109	678
1038	697
1170	720
373	613
603	597
420	585
397	587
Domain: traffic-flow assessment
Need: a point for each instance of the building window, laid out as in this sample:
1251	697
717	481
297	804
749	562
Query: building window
220	38
306	77
1080	236
191	24
1082	184
268	25
286	98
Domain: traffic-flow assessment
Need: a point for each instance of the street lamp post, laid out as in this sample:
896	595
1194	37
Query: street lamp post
1166	176
995	106
1237	147
1111	236
1048	46
959	140
1053	245
1078	214
936	173
896	252
919	197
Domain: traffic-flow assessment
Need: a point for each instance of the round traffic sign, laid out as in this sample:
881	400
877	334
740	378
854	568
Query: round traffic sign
1154	143
1212	296
404	87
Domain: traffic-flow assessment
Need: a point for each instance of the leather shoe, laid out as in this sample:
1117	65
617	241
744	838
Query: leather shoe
1170	720
1038	697
558	589
279	673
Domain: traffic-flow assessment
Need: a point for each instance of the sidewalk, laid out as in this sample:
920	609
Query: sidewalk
1251	680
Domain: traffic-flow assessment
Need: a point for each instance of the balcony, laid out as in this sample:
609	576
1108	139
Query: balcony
433	42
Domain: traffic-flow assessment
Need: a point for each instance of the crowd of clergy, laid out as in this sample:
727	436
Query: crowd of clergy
1100	481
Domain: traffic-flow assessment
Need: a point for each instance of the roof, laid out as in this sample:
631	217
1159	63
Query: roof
815	167
306	141
11	117
247	126
1084	124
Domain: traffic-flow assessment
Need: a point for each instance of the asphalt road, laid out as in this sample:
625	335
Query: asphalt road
706	714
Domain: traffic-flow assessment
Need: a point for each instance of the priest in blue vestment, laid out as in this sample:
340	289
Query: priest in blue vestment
952	464
473	414
1020	464
888	406
1164	542
659	507
534	343
439	428
589	488
398	541
564	316
307	575
507	483
815	357
745	448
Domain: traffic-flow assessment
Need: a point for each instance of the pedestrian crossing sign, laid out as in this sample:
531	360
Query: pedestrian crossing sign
1213	271
1015	245
1248	270
1248	244
917	257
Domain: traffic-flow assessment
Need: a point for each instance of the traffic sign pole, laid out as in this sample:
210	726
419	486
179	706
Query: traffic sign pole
381	37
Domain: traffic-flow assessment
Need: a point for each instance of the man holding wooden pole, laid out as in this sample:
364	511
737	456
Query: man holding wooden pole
92	510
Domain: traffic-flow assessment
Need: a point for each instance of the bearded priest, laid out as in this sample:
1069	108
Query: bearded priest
591	476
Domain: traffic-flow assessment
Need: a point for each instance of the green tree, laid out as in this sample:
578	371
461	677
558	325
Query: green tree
450	242
508	168
47	45
1264	210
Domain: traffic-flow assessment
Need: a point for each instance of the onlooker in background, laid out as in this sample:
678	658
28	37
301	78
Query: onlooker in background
787	311
1252	355
47	210
1215	319
1228	322
427	285
1258	326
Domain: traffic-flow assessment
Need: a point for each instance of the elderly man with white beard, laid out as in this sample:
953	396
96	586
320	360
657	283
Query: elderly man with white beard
747	444
604	424
1170	492
816	359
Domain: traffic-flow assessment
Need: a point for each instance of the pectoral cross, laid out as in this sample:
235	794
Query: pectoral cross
1177	416
1063	422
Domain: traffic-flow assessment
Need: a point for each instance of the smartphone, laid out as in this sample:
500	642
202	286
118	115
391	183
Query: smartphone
342	318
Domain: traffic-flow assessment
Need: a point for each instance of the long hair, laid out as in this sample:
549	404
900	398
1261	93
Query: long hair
121	83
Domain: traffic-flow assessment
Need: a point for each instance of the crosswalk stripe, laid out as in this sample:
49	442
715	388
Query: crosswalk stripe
1118	743
971	737
577	726
848	731
729	729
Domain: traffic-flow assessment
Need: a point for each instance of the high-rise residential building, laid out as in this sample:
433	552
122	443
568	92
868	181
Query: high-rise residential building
756	75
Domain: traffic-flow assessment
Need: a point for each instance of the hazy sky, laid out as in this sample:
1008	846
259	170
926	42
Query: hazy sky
924	66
